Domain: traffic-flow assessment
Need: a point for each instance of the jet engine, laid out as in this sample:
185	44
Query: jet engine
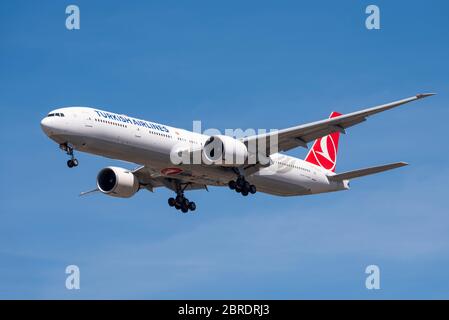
225	151
117	182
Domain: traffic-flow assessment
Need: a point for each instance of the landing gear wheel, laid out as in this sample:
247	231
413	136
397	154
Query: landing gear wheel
240	182
180	202
241	185
252	189
72	163
171	202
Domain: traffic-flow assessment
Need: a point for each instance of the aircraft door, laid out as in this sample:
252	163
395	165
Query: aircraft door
87	119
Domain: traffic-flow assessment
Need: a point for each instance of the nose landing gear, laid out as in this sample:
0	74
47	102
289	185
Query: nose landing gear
242	186
72	162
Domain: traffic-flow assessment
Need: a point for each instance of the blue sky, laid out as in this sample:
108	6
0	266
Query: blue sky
232	64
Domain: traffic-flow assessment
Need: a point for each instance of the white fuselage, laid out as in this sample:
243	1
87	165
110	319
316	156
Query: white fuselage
150	144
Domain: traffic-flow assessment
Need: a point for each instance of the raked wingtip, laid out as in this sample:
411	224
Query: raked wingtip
424	95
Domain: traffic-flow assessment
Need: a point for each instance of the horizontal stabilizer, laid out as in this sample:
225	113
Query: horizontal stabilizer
365	172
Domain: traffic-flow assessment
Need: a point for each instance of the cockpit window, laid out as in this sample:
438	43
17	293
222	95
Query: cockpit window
50	115
55	115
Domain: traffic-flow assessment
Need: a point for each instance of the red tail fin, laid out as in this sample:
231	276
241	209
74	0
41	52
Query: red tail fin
324	150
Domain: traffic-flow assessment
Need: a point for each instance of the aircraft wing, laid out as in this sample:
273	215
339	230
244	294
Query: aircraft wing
150	179
300	135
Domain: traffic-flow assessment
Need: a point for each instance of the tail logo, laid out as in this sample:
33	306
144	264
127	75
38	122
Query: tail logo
171	171
325	152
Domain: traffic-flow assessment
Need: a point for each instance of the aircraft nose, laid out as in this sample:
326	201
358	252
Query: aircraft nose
46	127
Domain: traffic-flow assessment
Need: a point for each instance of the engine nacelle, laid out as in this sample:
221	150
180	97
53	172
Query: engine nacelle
225	151
117	182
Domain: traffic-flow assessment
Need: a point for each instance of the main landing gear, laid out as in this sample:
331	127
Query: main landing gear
242	186
72	162
181	202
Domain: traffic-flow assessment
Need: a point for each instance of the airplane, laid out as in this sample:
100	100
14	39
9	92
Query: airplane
151	146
